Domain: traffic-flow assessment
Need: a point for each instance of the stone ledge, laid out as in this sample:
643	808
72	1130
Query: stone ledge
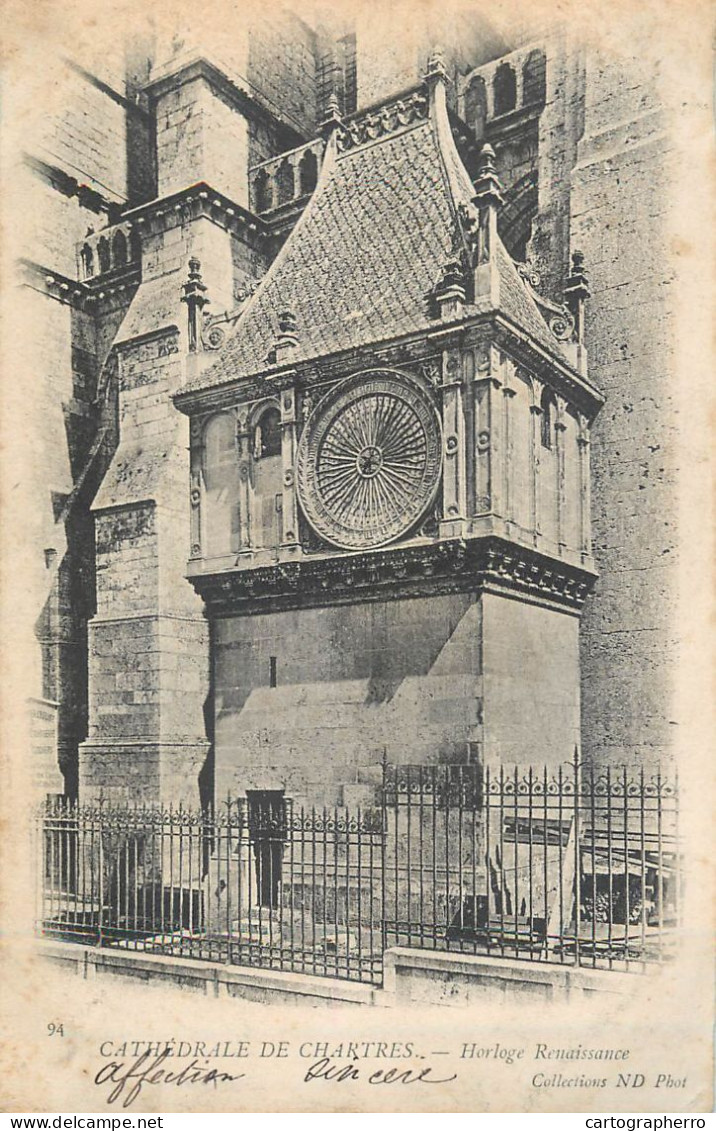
439	975
268	986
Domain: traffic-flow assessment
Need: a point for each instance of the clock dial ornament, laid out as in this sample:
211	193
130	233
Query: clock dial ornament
369	460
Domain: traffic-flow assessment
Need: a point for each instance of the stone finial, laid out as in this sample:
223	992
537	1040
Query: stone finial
576	292
196	299
287	323
488	189
287	340
577	283
450	290
436	70
332	119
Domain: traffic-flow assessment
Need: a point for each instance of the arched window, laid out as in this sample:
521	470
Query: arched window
476	106
119	249
267	436
103	255
267	480
220	507
263	195
135	245
548	406
504	87
308	172
87	257
284	182
533	79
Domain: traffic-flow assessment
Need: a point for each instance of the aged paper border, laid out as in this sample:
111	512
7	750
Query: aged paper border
667	1024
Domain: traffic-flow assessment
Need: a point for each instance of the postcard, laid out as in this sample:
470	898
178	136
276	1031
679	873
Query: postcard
356	486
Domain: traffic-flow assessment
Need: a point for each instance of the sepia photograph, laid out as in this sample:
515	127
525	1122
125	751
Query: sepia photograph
356	488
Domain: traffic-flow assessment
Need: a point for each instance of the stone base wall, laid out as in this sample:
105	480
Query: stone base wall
421	680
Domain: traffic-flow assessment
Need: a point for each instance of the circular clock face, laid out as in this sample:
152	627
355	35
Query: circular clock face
369	460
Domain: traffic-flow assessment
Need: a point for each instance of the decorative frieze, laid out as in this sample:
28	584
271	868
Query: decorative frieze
487	564
382	120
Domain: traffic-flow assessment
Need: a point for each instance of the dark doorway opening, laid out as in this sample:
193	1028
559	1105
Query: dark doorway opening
267	833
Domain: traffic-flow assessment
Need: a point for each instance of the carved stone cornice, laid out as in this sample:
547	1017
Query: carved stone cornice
383	118
54	284
198	201
559	375
90	297
414	349
487	564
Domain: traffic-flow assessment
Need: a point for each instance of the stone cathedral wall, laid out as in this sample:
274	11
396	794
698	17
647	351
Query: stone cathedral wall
620	201
604	188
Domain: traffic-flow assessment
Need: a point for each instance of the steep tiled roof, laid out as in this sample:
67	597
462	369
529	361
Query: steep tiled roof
517	304
364	258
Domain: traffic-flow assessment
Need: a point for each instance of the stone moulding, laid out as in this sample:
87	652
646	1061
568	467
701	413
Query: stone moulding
480	564
386	118
410	351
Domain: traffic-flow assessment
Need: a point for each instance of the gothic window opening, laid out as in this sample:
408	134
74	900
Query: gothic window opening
119	249
267	437
87	258
534	79
135	245
476	106
308	173
272	671
504	89
268	477
263	195
285	182
104	255
548	407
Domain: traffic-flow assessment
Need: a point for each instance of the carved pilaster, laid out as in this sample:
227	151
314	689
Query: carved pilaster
196	458
454	468
560	427
243	444
288	460
508	394
536	388
585	522
489	432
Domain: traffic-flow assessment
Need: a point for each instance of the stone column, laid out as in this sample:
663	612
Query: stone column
243	444
289	541
559	430
489	428
535	419
508	395
584	489
196	459
454	474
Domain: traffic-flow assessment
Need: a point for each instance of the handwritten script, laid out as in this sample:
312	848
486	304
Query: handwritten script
128	1080
326	1069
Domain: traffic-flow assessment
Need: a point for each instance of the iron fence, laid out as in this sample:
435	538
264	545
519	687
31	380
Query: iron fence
565	866
253	883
